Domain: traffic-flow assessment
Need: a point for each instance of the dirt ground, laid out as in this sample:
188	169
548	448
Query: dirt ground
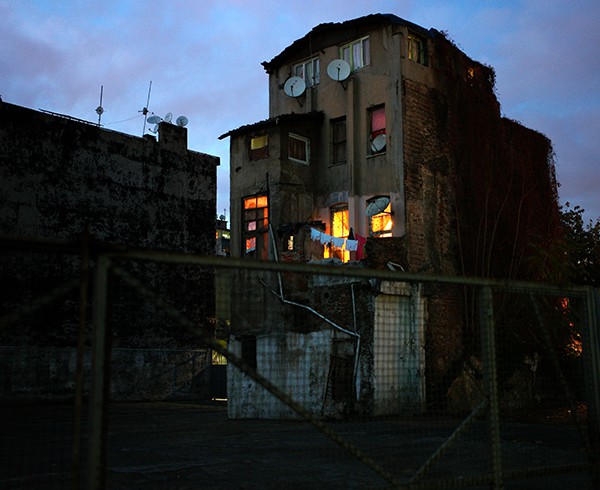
190	445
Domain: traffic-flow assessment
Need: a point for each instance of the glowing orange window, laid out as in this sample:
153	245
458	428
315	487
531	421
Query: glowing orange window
379	212
255	226
340	228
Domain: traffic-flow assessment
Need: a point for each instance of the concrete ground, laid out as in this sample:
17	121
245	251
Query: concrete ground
179	445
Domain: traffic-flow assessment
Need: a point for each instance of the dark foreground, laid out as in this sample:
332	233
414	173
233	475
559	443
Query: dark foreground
194	445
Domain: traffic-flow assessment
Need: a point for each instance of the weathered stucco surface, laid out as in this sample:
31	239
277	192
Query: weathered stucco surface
60	177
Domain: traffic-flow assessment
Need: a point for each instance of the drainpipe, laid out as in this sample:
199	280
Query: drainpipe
312	310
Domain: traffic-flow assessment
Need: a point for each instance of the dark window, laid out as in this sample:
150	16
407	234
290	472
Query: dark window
338	141
417	49
298	148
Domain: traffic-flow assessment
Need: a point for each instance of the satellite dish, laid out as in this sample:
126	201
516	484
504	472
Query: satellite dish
378	143
168	117
377	206
181	121
99	110
338	70
154	119
294	87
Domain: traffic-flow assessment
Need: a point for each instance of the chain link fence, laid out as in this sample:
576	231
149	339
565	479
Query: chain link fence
337	377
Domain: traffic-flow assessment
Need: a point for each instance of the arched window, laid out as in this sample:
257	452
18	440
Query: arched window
379	213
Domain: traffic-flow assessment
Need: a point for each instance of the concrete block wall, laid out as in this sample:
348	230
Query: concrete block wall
48	373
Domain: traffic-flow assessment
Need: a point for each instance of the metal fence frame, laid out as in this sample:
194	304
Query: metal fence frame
107	263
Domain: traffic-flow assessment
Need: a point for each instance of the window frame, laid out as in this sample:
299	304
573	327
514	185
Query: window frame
255	227
302	139
374	132
417	49
341	208
260	152
364	54
338	146
387	213
299	70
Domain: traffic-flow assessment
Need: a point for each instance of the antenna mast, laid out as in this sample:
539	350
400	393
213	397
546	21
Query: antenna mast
145	109
100	109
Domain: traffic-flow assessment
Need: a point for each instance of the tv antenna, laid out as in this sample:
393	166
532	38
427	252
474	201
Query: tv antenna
144	111
100	109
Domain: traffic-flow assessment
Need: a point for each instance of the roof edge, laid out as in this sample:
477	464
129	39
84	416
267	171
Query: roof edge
382	19
274	121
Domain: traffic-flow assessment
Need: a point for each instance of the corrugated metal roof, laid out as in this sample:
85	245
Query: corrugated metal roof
283	118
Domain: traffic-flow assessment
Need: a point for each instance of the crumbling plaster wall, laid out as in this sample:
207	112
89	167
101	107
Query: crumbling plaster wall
59	175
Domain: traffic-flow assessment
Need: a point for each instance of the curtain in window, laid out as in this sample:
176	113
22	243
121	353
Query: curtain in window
377	121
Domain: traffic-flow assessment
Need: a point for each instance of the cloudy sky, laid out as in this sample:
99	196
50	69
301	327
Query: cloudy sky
203	58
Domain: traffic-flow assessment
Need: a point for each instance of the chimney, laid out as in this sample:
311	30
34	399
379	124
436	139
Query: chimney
172	137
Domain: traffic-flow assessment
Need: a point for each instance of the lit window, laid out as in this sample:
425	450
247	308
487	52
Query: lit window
259	147
377	133
309	71
338	141
417	49
357	53
379	212
255	227
340	228
298	148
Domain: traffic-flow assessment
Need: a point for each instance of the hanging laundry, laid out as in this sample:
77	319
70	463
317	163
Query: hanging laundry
315	234
325	238
351	234
337	242
361	243
351	245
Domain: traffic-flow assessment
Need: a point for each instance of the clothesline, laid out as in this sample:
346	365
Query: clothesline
341	243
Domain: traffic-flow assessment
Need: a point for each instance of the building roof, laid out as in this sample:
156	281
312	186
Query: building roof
327	34
274	121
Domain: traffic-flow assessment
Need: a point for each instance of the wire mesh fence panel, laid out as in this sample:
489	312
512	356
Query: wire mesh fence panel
543	402
40	427
213	373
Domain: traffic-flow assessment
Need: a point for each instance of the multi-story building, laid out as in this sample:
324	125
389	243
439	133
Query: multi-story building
384	145
62	178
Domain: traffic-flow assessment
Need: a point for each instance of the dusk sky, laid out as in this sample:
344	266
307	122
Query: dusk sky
204	60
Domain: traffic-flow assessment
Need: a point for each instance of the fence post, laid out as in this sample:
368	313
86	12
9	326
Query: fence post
100	380
591	358
490	383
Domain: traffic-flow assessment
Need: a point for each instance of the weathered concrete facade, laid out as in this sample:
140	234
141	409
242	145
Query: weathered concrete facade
60	177
402	159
